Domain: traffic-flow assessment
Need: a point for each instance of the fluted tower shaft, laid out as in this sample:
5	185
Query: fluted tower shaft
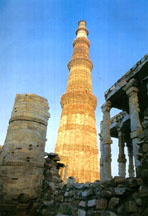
77	138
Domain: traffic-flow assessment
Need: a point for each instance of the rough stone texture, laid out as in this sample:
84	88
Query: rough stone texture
77	139
142	170
117	197
22	155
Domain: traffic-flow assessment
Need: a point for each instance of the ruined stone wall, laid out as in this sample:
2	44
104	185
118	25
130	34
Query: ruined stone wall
22	156
118	196
142	169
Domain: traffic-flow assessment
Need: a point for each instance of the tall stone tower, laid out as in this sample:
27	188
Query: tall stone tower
77	139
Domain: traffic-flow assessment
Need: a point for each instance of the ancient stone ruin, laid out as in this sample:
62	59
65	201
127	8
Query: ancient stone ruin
130	95
31	181
22	156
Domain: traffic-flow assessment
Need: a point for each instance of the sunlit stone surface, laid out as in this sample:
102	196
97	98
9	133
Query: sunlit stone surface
77	138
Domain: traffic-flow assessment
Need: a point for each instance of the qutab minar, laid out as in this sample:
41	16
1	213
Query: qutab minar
77	137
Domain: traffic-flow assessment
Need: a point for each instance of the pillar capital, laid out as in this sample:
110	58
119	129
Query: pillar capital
106	107
131	83
131	87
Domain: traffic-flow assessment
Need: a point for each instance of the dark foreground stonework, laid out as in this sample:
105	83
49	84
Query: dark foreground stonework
118	196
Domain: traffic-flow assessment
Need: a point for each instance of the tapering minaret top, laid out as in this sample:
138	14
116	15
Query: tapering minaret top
82	30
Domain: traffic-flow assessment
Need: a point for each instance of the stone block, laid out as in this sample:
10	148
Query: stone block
82	204
101	204
81	212
114	201
145	147
120	191
119	180
91	203
131	206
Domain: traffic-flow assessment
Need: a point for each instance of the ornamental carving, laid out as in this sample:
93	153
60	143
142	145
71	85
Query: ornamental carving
79	97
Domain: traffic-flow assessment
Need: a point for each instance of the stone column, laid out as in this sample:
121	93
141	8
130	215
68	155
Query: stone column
101	151
121	157
130	155
136	129
106	148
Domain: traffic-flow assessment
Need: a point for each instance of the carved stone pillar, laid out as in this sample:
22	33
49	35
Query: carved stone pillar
106	141
130	155
136	129
101	151
121	157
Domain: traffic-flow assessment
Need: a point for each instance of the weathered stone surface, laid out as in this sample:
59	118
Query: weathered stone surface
131	206
138	201
145	148
22	157
84	193
71	180
91	203
101	204
120	191
119	180
113	202
82	204
81	212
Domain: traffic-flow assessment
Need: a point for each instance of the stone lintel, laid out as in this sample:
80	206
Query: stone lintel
118	118
131	91
125	78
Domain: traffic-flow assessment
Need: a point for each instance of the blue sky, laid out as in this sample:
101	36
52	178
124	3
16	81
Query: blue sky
36	45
